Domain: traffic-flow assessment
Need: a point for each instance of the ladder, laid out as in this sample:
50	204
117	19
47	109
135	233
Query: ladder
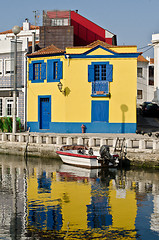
120	147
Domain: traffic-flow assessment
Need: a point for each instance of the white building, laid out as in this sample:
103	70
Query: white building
145	80
155	42
24	40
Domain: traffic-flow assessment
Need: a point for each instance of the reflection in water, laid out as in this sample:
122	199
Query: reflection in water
50	200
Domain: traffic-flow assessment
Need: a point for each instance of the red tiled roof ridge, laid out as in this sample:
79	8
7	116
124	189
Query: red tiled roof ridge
99	42
32	27
104	44
47	50
140	58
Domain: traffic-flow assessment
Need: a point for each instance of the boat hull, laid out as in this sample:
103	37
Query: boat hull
79	160
82	160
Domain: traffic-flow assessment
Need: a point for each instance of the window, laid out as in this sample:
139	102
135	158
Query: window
1	66
100	74
139	72
139	94
151	75
8	67
55	74
37	71
1	109
9	107
59	22
54	70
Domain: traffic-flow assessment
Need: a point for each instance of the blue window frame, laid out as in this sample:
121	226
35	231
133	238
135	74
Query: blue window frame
54	70
100	74
37	71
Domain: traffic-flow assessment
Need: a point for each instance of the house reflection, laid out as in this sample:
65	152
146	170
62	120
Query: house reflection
49	199
79	202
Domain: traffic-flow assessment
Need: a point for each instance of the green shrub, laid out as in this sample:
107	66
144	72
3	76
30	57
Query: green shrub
1	125
18	124
6	124
6	127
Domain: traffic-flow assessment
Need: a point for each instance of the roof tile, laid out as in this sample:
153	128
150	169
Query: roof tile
142	59
32	27
47	51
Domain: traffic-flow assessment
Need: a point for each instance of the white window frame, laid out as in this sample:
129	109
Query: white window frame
5	65
59	22
139	74
139	96
6	107
1	61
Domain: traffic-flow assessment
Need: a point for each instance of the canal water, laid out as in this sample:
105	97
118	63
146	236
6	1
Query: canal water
45	199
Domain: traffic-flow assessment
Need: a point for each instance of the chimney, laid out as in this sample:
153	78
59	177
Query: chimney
26	25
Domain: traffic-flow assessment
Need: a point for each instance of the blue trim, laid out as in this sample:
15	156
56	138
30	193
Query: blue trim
119	55
95	127
115	54
39	97
95	48
43	71
102	95
99	63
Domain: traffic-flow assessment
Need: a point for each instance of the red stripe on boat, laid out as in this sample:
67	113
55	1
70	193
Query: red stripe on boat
75	155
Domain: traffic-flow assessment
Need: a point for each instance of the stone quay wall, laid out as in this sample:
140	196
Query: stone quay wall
141	150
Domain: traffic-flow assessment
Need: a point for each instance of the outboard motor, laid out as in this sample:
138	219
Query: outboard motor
105	154
104	151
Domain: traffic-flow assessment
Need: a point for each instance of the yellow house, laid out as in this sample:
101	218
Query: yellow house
94	86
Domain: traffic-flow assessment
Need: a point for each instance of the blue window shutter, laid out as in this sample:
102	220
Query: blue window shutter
31	72
109	73
100	111
49	70
90	73
43	71
59	70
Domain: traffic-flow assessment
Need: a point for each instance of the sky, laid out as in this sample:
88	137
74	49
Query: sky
133	21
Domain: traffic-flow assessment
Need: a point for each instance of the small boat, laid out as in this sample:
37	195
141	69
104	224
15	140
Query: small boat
81	156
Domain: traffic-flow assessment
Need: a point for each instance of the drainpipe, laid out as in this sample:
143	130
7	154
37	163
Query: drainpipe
25	92
33	42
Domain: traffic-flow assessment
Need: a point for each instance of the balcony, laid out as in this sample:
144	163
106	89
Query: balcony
100	88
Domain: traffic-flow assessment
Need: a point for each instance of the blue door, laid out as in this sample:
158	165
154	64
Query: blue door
45	112
100	111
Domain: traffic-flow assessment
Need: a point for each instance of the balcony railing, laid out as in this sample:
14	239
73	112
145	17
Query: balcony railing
100	88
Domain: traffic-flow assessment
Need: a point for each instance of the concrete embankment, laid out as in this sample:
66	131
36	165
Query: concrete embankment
141	150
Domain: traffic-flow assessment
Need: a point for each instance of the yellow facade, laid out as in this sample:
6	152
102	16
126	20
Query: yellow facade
74	106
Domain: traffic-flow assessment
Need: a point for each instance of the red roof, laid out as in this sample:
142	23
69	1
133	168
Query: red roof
142	59
32	27
151	60
47	51
58	14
